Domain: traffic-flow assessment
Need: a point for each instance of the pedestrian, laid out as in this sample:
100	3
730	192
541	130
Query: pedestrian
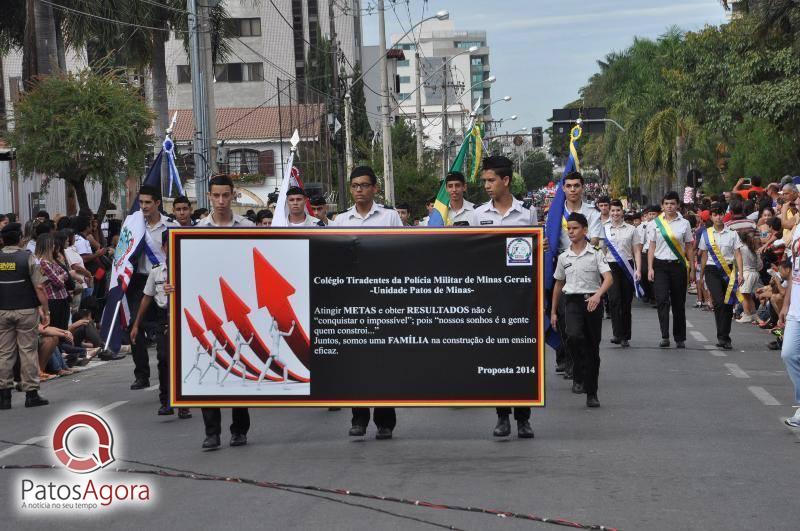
720	250
296	209
790	317
319	206
221	193
642	246
752	264
578	275
404	211
366	213
264	218
603	205
23	306
504	210
670	260
182	212
156	289
620	255
459	210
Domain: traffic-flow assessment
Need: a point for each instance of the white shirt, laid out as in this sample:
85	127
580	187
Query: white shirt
623	237
82	245
31	247
640	237
680	228
154	287
424	221
487	215
592	216
307	222
465	213
238	221
155	231
727	241
73	257
377	216
582	272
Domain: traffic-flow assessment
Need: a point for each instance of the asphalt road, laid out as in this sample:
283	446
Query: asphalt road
685	439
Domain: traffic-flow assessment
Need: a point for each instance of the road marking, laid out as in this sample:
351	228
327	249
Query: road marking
709	347
698	336
718	353
736	371
17	447
764	396
153	387
111	406
689	325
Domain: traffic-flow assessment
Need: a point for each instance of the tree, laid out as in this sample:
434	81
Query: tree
537	170
81	127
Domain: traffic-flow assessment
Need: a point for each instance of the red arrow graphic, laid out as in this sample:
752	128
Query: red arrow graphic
273	291
237	312
214	323
199	335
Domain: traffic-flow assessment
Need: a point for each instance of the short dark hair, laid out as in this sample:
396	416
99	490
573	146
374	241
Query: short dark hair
672	196
80	223
360	171
220	180
455	176
42	214
578	218
717	208
45	227
11	234
755	180
737	208
500	165
574	176
183	200
199	212
431	200
404	206
614	203
262	214
318	200
295	190
603	199
64	223
152	191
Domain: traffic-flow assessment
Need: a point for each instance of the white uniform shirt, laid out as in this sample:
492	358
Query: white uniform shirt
82	245
582	272
154	287
682	231
465	213
309	221
640	237
487	215
377	216
595	227
728	241
155	231
238	221
623	236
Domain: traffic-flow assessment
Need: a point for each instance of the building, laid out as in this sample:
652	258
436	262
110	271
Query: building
446	68
372	83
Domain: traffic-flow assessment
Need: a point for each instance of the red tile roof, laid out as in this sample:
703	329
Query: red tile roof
256	123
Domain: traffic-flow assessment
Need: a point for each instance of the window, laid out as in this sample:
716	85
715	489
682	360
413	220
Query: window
469	44
405	79
266	163
243	161
238	72
409	46
245	27
403	96
184	74
402	63
477	78
476	61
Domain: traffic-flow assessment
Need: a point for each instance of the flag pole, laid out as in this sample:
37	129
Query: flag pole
113	322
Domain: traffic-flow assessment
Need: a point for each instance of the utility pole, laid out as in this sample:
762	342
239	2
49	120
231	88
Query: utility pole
199	106
348	139
207	56
444	118
419	110
340	168
388	172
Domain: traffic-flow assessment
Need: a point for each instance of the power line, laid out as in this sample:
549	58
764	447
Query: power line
114	21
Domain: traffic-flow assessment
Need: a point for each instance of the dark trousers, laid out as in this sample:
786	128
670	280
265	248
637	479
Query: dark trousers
87	332
384	417
141	360
520	413
723	313
670	290
59	313
160	331
563	355
212	418
647	286
583	334
620	296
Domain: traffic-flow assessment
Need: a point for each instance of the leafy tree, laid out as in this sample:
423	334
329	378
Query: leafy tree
537	170
81	127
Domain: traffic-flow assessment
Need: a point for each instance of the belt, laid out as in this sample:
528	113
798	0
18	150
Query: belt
676	261
577	296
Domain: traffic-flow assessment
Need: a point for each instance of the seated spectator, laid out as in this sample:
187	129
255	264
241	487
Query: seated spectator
738	221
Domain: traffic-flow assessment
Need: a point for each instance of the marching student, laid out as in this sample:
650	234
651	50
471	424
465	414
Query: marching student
503	209
603	205
719	247
642	246
296	209
670	263
578	275
460	210
366	213
182	212
319	206
620	238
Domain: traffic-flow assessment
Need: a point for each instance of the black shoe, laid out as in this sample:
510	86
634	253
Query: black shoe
503	428
664	343
577	388
592	401
726	346
184	413
559	369
524	430
211	442
624	343
166	410
334	409
357	430
139	384
5	399
107	355
238	439
568	375
384	433
616	341
32	399
773	345
680	344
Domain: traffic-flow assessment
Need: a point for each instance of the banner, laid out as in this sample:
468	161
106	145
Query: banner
350	317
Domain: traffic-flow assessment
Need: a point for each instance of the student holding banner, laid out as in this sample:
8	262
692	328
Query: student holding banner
620	239
719	247
670	261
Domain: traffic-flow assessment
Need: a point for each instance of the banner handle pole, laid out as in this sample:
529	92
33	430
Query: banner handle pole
113	322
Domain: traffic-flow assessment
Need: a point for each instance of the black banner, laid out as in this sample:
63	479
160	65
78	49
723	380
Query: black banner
335	317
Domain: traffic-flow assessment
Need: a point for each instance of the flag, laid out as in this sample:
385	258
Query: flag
134	239
473	144
291	177
168	147
552	231
475	151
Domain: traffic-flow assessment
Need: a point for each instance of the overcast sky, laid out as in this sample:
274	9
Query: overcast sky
543	51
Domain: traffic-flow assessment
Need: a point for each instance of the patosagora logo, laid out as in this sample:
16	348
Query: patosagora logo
103	455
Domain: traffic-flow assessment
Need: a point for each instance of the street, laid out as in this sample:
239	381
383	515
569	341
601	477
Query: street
685	439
